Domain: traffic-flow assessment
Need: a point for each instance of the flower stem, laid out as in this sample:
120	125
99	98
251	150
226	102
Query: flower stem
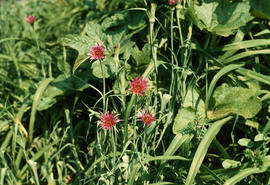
128	110
104	87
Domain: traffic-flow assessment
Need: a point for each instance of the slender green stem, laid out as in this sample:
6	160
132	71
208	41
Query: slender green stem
40	55
178	8
104	87
172	87
114	147
127	114
221	149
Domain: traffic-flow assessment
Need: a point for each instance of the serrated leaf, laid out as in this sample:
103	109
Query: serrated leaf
210	15
79	43
236	100
107	69
95	33
228	163
245	142
184	121
142	56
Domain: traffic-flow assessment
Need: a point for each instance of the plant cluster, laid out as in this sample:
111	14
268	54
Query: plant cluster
134	92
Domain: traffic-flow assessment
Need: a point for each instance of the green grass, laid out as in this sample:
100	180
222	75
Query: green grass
208	76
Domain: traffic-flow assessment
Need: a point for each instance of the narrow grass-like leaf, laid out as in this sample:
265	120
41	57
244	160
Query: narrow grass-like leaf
149	159
162	183
33	167
254	75
80	59
177	141
7	140
36	99
266	128
203	147
246	44
246	54
36	157
248	171
238	37
3	173
222	72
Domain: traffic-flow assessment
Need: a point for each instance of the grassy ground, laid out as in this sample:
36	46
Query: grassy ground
206	66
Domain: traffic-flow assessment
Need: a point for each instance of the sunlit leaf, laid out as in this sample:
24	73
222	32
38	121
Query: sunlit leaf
210	15
236	100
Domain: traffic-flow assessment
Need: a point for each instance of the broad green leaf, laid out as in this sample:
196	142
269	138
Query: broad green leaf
246	142
105	68
136	19
95	33
228	163
236	100
115	20
142	56
60	86
261	137
80	43
260	8
193	100
210	15
184	122
222	72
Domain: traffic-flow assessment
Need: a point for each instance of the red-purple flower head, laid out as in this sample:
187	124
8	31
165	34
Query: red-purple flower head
172	2
97	52
147	117
31	19
139	85
108	120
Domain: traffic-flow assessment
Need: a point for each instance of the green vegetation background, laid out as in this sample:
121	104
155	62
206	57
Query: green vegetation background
209	70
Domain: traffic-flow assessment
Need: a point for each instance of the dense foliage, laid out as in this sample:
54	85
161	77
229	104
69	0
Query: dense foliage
134	92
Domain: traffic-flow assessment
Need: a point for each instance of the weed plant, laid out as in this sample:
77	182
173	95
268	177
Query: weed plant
134	92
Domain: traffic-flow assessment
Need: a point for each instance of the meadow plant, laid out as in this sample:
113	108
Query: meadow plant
138	85
108	120
31	19
146	117
97	52
203	118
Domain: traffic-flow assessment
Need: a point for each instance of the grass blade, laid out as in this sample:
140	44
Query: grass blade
149	159
246	54
254	75
36	99
246	44
203	147
248	171
177	141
